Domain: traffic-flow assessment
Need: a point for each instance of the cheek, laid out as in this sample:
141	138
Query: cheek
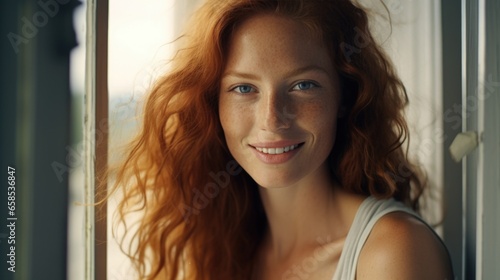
225	117
320	119
319	116
232	120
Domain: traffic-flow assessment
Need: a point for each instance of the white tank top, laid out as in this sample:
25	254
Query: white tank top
369	212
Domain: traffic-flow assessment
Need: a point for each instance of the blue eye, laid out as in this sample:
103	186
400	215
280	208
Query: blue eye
305	85
243	89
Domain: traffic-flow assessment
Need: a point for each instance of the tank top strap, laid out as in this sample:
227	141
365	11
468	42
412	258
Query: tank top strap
369	212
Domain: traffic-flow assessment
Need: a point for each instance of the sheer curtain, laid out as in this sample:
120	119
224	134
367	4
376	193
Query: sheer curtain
411	36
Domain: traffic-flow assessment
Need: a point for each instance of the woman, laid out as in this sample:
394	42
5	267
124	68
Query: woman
274	150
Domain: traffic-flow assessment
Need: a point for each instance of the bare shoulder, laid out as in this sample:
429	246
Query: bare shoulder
402	247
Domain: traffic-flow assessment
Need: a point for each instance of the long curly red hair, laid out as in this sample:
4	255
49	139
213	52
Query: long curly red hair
202	217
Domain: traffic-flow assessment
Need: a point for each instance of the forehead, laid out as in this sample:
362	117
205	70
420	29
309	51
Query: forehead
266	38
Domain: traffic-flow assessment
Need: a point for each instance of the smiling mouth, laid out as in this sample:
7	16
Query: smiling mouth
277	151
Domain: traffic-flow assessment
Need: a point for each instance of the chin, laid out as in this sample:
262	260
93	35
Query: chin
274	181
273	186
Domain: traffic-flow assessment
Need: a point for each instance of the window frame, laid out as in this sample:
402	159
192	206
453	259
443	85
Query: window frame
96	133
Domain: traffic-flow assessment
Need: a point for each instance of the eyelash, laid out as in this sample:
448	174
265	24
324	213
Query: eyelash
252	89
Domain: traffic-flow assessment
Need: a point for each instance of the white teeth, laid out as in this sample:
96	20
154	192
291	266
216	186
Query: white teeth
276	151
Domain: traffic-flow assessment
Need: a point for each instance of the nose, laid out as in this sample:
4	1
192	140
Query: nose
275	112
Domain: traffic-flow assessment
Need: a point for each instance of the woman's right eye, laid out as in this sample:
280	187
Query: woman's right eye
243	89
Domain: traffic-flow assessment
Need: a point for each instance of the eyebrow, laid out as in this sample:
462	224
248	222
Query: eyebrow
292	73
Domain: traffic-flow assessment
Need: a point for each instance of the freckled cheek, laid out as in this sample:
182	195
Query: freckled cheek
319	119
317	116
234	121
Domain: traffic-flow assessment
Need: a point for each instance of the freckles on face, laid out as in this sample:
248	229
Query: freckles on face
278	101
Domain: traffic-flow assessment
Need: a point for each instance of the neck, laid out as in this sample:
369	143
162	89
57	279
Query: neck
305	214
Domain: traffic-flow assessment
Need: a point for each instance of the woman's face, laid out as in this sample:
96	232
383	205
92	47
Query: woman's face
279	98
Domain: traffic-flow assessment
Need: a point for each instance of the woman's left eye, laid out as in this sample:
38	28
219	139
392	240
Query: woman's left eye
305	85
